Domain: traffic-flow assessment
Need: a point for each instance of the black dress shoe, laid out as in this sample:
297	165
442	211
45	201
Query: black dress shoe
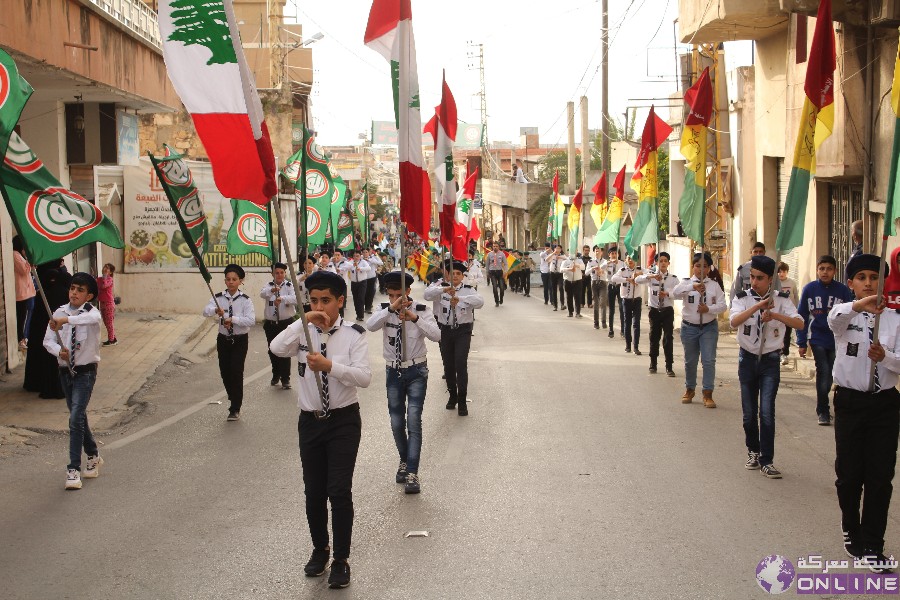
274	381
462	410
451	404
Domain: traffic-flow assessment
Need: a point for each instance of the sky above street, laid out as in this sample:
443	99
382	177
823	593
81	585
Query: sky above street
538	55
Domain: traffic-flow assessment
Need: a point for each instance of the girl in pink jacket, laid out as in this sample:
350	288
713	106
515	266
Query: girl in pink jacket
108	303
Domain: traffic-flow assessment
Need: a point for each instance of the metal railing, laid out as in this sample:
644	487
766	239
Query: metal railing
135	16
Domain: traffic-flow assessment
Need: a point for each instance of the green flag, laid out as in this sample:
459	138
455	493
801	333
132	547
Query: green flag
319	188
345	239
184	198
359	208
251	230
338	203
51	220
14	93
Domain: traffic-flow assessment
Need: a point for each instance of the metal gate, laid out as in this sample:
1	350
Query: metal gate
792	258
846	207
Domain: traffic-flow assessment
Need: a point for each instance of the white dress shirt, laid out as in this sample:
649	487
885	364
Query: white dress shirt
555	261
668	284
416	332
242	313
629	290
595	270
714	298
444	312
86	321
612	267
283	311
356	272
374	262
568	264
748	332
545	261
474	275
851	339
348	350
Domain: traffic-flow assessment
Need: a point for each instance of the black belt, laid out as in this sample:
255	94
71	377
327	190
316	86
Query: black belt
318	414
89	368
688	323
288	321
755	353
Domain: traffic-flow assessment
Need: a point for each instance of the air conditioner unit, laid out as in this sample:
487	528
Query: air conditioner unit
884	12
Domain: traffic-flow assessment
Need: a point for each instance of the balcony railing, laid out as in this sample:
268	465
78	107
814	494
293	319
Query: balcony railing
135	16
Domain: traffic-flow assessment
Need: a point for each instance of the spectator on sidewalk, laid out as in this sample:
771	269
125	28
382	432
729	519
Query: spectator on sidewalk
73	337
41	370
25	292
790	286
107	300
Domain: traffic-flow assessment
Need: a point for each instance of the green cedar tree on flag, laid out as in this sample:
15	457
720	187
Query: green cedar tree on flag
692	206
645	226
466	228
205	61
51	220
816	123
184	198
442	128
251	230
610	229
14	93
389	32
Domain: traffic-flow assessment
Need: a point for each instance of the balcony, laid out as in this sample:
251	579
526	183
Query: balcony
135	16
702	22
511	194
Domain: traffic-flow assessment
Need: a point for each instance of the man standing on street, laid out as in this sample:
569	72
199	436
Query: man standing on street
497	266
612	266
572	270
555	261
597	275
662	312
545	271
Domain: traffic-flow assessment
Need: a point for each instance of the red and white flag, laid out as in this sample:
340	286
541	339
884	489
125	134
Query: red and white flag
389	33
442	128
206	64
466	227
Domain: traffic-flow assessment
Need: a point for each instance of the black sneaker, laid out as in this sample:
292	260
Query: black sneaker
596	327
611	334
401	473
637	352
318	562
233	415
824	420
412	484
653	370
770	471
752	463
628	349
852	550
451	404
670	372
274	381
111	342
462	410
285	384
877	562
340	574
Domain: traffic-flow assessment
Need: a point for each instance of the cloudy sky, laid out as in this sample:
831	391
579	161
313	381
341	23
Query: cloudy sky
538	55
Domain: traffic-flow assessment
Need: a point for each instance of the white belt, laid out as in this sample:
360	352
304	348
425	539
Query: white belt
413	362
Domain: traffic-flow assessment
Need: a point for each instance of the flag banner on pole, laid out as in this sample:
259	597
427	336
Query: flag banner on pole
816	123
609	230
345	239
251	230
184	198
600	206
389	32
892	210
206	64
466	228
359	210
645	226
692	206
14	94
51	220
338	202
442	128
551	216
575	219
559	209
320	190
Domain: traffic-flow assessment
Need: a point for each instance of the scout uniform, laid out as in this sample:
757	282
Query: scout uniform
597	274
497	266
631	301
572	270
613	295
358	273
371	279
662	315
277	318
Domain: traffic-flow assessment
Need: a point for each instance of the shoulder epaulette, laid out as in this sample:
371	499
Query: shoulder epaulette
467	286
288	283
220	294
785	294
685	278
420	307
384	305
87	307
741	295
243	295
359	328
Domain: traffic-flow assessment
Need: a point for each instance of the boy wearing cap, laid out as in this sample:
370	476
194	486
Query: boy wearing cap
866	412
613	292
597	274
406	373
662	311
281	305
455	319
78	326
760	316
630	298
236	316
329	425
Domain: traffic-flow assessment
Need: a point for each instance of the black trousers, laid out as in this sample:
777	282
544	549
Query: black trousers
632	321
866	426
662	322
371	284
555	289
526	281
232	352
497	283
358	292
573	296
586	298
545	283
454	347
614	297
281	366
328	449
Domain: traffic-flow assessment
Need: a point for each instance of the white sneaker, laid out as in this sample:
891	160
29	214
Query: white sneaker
73	480
784	361
92	466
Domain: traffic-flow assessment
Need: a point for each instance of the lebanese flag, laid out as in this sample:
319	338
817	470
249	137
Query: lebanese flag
389	33
206	64
465	228
442	128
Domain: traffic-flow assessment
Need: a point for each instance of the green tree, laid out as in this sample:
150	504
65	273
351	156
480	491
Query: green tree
539	211
204	23
557	159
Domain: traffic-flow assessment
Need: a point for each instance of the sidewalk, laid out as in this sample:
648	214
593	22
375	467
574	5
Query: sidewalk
146	341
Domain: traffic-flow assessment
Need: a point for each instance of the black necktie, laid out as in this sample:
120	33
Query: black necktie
72	350
230	316
326	400
277	296
870	322
398	349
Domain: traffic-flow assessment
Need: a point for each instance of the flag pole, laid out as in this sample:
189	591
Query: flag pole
403	284
879	294
40	289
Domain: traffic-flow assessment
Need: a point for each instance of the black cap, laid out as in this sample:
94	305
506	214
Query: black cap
460	266
763	263
279	265
704	255
88	281
865	262
233	268
326	280
393	279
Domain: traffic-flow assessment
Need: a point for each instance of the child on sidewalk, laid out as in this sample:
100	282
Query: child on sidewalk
329	426
107	300
78	324
790	286
236	316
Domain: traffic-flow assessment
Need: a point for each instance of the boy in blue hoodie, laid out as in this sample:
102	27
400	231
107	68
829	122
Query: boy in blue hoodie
816	301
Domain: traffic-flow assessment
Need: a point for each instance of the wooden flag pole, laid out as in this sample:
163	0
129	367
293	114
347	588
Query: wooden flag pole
879	294
40	289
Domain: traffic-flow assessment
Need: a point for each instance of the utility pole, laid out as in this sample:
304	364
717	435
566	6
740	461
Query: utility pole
604	94
570	116
485	152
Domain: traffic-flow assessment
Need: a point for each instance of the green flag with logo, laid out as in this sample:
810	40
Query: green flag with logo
319	188
51	220
251	230
184	198
359	208
14	93
345	239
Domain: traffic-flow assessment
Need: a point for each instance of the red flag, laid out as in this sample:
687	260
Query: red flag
819	84
556	184
578	200
600	190
700	100
655	133
619	185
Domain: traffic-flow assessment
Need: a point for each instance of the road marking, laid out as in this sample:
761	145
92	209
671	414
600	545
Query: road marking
183	414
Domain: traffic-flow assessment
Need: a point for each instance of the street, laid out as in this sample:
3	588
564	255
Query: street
576	475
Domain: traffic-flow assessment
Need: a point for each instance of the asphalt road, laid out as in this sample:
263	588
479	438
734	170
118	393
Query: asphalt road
576	475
